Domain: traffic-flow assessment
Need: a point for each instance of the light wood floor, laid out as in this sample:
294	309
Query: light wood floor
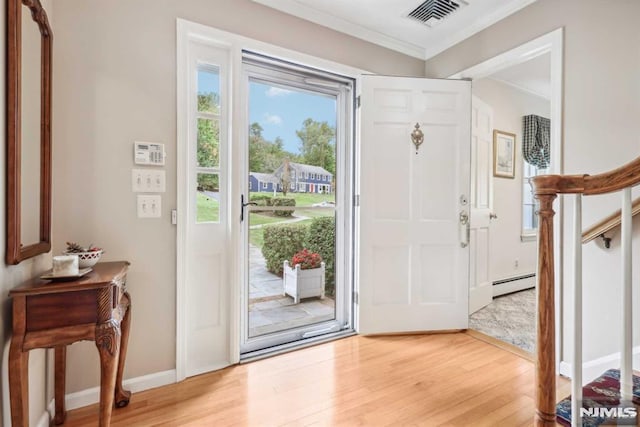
430	380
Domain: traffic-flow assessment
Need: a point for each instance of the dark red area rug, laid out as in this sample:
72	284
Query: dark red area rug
604	391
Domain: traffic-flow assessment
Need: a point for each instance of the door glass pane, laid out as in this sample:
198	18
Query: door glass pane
292	177
208	91
208	198
292	138
208	143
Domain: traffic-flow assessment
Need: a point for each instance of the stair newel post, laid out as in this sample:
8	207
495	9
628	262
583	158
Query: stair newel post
545	325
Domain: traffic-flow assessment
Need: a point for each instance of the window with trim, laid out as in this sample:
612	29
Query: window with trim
208	144
264	185
530	205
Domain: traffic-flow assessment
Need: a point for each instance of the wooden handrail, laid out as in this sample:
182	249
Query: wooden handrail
608	223
608	182
546	188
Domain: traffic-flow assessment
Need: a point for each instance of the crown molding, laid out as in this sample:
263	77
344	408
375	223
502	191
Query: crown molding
336	23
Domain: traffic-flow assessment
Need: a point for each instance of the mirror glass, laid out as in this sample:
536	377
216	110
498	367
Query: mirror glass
30	113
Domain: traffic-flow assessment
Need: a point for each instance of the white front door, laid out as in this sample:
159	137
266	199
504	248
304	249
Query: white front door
414	254
480	291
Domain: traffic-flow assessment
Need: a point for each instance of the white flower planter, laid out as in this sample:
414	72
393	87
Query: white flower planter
300	283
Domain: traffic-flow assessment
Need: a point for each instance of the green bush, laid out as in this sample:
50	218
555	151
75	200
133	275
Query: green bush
284	201
261	200
281	242
321	238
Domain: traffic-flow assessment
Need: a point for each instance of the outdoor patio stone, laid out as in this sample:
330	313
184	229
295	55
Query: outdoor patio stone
270	311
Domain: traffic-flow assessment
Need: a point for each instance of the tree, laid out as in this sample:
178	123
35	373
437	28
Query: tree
256	148
285	179
317	144
265	156
208	149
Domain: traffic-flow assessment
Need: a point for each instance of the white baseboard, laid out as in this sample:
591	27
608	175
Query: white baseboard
515	284
146	382
44	419
594	368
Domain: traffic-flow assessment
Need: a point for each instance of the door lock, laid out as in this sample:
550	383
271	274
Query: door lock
464	218
465	229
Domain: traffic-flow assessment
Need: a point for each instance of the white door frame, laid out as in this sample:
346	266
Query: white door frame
188	31
551	43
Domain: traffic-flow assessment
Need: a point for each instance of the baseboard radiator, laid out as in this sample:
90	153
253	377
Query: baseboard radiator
513	284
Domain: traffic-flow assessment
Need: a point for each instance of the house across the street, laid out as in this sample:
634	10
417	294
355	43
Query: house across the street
303	179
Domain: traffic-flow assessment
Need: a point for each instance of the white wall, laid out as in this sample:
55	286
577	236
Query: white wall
12	276
601	105
115	67
509	105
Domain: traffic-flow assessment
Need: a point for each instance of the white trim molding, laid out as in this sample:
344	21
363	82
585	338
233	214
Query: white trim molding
362	32
135	385
596	367
190	31
551	43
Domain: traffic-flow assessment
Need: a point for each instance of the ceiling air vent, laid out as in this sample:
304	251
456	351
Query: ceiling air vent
432	12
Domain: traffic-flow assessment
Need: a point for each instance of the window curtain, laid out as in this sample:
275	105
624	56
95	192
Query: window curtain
536	140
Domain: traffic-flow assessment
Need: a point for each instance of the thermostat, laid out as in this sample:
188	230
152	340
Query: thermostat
149	153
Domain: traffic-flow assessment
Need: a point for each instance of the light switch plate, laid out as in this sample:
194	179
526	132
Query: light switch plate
148	181
158	181
149	206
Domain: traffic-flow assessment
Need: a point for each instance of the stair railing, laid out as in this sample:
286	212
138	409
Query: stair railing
546	189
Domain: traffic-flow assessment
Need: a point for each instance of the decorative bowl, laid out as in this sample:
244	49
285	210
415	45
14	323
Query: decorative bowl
87	259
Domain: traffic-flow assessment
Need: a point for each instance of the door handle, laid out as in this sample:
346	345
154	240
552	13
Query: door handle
493	216
244	205
465	229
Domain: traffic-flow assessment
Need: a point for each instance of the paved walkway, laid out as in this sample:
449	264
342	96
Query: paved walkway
270	311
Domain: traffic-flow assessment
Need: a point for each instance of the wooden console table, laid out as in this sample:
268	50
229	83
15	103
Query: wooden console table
56	314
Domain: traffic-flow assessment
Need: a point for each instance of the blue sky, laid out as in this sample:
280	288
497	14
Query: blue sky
279	111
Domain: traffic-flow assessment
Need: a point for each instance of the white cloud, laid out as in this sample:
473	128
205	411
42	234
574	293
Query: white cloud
276	91
272	119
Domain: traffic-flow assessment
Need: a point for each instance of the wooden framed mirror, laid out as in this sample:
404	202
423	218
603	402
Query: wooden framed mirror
29	42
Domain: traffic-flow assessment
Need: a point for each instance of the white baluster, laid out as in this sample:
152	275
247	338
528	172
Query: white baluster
626	368
576	368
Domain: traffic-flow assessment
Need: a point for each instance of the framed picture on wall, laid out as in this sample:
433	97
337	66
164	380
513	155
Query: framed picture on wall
504	154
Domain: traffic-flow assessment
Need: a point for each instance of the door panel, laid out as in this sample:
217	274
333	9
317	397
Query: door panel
480	291
413	268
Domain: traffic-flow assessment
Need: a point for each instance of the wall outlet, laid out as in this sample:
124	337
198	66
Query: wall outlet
148	181
149	206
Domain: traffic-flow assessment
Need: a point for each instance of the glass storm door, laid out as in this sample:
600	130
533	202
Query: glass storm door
296	222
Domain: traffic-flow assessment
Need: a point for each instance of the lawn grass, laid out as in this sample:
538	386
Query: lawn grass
207	208
264	218
256	237
304	199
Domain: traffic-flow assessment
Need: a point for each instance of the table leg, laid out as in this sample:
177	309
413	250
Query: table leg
108	343
123	396
60	373
19	383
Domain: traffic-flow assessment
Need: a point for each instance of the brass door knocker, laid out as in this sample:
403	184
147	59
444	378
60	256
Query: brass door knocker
417	137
